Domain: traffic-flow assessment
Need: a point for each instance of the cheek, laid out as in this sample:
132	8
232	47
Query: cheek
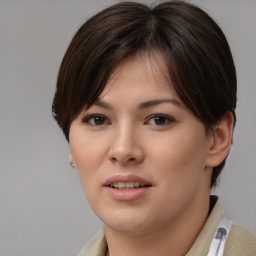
87	164
180	157
86	152
179	169
88	155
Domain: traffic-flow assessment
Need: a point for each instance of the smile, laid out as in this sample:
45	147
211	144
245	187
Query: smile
127	185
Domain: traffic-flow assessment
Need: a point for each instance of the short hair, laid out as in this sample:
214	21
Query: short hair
194	48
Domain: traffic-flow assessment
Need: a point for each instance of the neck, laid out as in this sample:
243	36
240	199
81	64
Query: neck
176	238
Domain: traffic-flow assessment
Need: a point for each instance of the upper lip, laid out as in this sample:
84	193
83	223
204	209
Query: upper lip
125	178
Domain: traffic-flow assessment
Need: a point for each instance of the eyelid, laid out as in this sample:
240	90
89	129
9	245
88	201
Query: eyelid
168	118
86	119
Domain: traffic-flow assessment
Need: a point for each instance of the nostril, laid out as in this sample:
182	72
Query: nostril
113	159
131	159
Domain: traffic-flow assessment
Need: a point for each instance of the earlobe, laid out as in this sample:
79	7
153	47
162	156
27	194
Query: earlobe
221	136
71	161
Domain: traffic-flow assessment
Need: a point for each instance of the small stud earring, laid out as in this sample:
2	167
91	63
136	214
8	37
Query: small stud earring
71	164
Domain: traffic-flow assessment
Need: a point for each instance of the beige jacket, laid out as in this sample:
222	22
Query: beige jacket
240	242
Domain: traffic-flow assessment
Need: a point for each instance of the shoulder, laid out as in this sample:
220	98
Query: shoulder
240	241
96	246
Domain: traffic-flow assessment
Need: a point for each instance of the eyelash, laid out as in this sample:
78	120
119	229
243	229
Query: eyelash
87	119
166	118
104	120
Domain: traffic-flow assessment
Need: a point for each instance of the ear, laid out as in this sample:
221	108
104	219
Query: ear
220	140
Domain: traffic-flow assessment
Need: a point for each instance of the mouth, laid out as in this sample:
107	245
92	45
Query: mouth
128	185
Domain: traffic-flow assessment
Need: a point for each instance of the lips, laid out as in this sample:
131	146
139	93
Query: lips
126	181
125	188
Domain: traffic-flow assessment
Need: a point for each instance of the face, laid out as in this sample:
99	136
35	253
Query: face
139	152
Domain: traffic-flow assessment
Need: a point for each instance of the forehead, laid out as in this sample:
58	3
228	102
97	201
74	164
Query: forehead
147	69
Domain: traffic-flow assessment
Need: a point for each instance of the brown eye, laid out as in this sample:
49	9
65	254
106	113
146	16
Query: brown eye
96	120
160	120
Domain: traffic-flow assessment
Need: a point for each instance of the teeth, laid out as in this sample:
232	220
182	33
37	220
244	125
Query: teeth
127	185
121	184
137	184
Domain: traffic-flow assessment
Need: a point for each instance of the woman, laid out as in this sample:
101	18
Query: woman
146	98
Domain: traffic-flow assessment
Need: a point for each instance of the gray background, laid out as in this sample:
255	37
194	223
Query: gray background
42	208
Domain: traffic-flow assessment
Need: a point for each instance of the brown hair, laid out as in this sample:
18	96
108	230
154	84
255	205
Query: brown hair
194	48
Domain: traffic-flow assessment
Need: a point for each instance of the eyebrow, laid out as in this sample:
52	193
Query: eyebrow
102	104
142	105
151	103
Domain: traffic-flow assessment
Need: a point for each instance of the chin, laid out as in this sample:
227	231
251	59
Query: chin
127	228
128	222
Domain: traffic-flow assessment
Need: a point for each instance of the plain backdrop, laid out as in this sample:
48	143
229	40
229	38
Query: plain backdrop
43	211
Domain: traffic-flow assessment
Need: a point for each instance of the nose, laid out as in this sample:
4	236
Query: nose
126	146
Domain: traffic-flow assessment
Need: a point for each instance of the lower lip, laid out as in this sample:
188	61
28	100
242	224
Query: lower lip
127	195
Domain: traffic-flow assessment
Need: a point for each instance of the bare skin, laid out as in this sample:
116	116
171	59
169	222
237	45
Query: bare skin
140	127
